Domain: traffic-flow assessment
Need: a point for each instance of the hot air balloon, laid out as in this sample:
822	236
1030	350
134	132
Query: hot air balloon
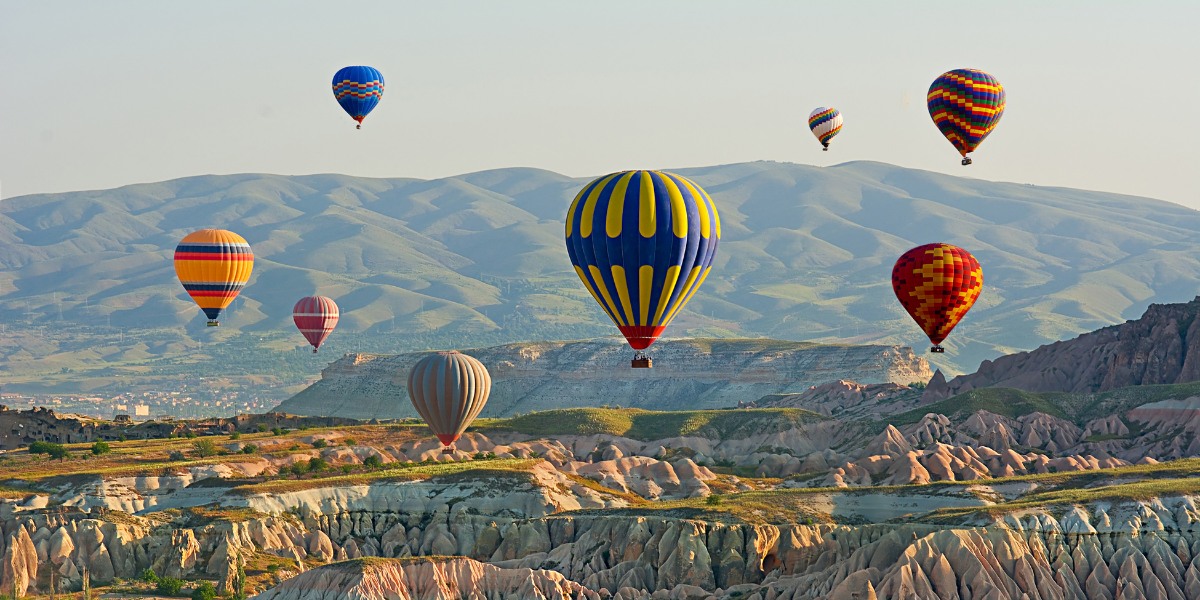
966	105
449	389
315	317
937	284
213	265
358	90
825	123
642	242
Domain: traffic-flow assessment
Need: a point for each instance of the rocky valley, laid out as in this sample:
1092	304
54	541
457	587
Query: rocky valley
839	489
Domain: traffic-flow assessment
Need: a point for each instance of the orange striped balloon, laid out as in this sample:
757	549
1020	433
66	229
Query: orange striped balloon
213	265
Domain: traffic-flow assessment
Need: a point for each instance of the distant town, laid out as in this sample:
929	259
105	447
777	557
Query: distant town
148	405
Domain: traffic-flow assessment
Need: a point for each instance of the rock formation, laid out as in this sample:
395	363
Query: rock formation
687	374
1163	346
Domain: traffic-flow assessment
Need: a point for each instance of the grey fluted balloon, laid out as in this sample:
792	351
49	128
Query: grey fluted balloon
449	389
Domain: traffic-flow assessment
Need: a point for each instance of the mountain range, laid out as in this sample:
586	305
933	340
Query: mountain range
478	259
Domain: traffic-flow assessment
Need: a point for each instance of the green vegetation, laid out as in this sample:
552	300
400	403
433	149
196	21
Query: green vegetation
101	448
204	591
652	425
249	449
169	586
147	575
1001	401
204	448
320	444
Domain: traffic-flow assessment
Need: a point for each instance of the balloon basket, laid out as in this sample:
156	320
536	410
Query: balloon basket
447	450
825	149
314	350
966	161
641	361
213	324
936	349
359	126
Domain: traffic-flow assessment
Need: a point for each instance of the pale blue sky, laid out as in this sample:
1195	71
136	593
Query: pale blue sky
1100	95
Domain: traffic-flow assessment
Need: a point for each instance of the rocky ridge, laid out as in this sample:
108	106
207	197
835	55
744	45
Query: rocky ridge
687	374
1161	347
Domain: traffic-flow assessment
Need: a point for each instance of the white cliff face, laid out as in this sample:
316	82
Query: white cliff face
687	375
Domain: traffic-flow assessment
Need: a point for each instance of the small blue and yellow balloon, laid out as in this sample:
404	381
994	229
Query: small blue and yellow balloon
642	242
358	90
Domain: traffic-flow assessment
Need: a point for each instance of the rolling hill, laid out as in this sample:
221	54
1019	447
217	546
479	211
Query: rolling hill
87	285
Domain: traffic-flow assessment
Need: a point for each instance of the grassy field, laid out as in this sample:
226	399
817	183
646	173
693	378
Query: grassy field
651	425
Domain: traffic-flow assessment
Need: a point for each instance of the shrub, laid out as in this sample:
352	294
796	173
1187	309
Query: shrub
204	448
122	438
40	447
59	452
299	468
349	441
261	427
176	456
147	575
713	500
320	444
191	435
317	464
277	430
101	448
373	461
303	427
169	586
347	469
271	568
204	591
249	449
235	436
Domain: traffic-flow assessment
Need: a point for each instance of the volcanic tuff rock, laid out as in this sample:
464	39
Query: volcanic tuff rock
687	374
427	579
1163	346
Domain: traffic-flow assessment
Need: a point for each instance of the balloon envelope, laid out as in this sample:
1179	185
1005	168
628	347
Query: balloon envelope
358	90
937	284
825	123
642	242
966	105
449	389
213	265
315	317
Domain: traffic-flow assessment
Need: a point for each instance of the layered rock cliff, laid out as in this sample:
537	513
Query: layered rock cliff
1161	347
688	374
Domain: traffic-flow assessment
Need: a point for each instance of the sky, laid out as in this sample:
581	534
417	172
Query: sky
1101	95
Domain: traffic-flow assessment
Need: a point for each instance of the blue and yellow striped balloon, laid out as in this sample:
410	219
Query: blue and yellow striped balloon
642	242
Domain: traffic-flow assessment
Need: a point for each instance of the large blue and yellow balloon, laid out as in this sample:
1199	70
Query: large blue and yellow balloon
642	242
358	90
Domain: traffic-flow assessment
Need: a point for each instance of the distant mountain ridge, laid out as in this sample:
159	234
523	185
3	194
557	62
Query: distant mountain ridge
478	259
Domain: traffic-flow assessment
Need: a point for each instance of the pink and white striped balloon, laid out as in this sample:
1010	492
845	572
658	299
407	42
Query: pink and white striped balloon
315	317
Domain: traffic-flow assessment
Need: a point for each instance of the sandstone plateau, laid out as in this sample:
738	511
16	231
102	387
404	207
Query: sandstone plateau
687	374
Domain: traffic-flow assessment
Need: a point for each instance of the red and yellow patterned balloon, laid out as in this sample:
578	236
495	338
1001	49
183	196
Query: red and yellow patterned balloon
937	284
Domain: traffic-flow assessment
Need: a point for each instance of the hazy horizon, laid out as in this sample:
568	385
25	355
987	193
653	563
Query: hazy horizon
160	92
